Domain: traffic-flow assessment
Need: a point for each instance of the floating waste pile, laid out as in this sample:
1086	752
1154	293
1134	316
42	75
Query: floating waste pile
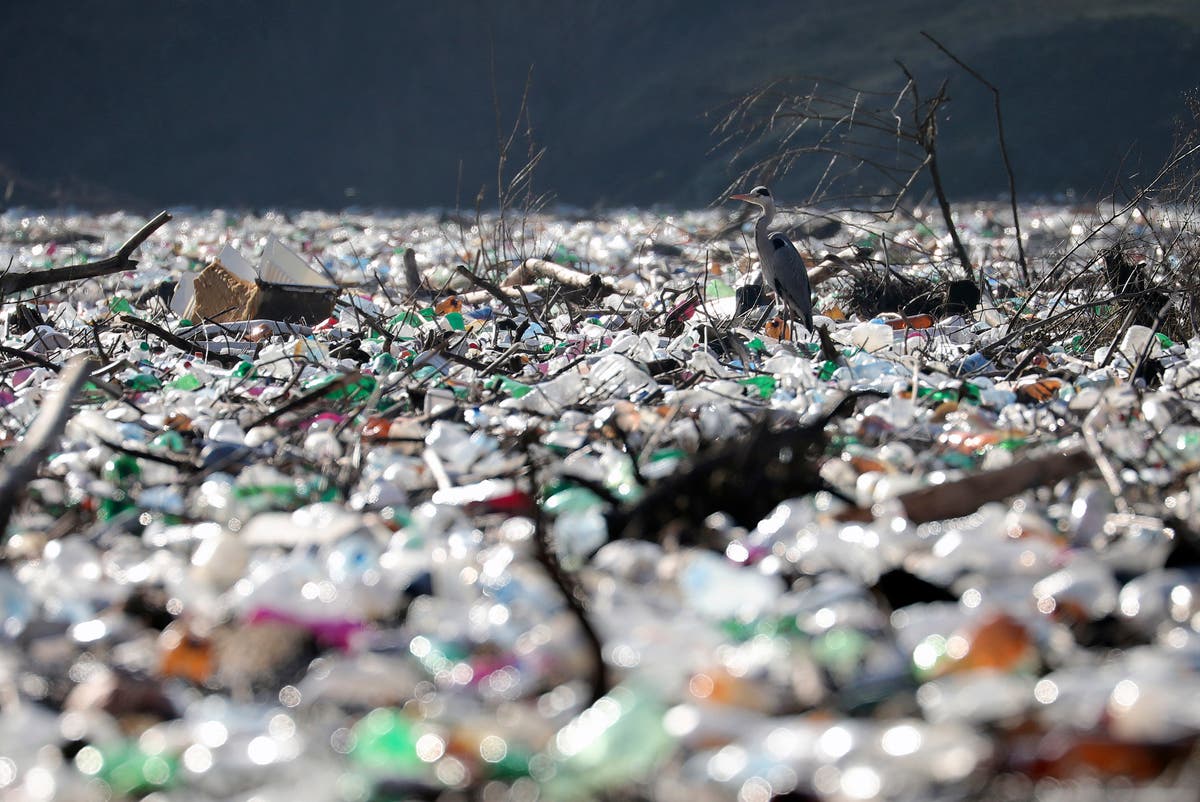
557	510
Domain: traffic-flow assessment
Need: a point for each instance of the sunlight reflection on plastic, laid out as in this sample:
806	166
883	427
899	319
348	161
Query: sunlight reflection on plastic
836	741
1125	694
262	751
1045	692
197	759
89	760
493	748
928	652
681	720
903	739
430	747
587	727
861	782
727	763
755	789
212	734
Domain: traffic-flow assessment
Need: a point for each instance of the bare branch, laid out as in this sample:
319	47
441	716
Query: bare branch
1012	181
21	463
117	263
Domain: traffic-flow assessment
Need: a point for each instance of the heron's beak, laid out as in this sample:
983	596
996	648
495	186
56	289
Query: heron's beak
747	198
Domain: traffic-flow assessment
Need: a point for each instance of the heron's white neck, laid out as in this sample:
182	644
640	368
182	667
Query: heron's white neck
761	231
768	214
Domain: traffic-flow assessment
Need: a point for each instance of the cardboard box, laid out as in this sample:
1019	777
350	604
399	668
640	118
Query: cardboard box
282	287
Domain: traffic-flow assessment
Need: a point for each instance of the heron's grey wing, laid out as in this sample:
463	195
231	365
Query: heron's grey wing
791	277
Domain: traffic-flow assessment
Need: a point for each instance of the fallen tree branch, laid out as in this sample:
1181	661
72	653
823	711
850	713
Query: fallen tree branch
187	346
965	496
117	263
21	463
29	356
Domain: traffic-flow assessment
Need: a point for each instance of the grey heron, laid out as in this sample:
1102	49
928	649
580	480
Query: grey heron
783	268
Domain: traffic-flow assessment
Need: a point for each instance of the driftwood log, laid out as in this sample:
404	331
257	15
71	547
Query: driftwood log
532	269
965	496
476	297
834	263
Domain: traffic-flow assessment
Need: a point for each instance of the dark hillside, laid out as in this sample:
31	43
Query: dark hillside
325	104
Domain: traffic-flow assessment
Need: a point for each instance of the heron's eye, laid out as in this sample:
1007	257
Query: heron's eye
763	192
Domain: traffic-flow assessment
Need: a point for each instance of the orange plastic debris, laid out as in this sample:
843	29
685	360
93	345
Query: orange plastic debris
778	328
184	655
911	322
1063	755
376	428
867	464
447	305
1000	642
1039	391
970	442
179	422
